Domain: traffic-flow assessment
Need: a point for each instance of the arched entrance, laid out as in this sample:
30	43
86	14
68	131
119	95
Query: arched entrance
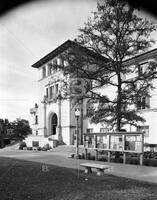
53	122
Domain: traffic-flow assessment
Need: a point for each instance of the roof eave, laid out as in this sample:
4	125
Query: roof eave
62	48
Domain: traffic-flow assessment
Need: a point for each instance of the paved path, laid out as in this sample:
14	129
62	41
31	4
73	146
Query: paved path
137	172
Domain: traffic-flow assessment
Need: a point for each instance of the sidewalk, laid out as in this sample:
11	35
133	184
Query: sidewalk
143	173
137	172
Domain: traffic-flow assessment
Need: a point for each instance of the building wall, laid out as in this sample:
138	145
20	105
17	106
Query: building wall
66	114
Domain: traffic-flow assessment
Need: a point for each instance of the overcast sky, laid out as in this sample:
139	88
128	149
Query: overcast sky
27	33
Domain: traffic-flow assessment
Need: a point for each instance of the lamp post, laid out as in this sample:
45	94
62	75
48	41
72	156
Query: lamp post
77	115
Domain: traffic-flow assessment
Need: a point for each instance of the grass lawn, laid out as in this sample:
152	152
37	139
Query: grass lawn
23	180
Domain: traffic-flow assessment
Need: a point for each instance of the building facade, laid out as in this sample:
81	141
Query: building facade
53	118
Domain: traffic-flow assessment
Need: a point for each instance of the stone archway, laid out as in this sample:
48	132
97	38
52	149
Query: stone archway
53	123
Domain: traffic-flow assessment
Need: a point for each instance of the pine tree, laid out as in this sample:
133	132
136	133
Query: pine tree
114	33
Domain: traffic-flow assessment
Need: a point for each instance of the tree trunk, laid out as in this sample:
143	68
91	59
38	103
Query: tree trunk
119	103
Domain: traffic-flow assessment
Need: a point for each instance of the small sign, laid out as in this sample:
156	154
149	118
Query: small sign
77	87
45	168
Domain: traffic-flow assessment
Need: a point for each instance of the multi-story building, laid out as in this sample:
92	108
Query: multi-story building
146	105
54	118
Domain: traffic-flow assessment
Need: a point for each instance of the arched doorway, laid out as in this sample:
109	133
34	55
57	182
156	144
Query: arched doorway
54	122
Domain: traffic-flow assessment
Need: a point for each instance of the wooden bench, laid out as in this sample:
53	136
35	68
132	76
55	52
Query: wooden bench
100	168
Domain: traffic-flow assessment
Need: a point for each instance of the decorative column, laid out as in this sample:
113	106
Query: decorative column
124	153
95	147
45	103
142	149
59	119
108	146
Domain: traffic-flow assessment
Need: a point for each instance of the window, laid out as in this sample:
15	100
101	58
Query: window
55	65
36	119
143	102
47	92
55	61
103	130
96	83
51	92
65	63
50	68
89	108
62	62
90	85
35	143
43	72
89	130
142	68
56	89
144	129
58	61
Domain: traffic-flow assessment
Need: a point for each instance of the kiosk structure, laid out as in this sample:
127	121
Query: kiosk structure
125	142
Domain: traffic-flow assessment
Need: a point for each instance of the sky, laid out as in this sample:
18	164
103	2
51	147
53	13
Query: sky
28	33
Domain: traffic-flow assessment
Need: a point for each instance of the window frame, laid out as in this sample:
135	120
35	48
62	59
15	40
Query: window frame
89	109
51	91
43	71
89	130
143	102
144	129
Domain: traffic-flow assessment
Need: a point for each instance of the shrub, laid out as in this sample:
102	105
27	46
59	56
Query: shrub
83	156
100	159
104	159
29	148
150	155
46	147
79	156
22	144
39	148
92	157
89	156
150	162
43	149
133	161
